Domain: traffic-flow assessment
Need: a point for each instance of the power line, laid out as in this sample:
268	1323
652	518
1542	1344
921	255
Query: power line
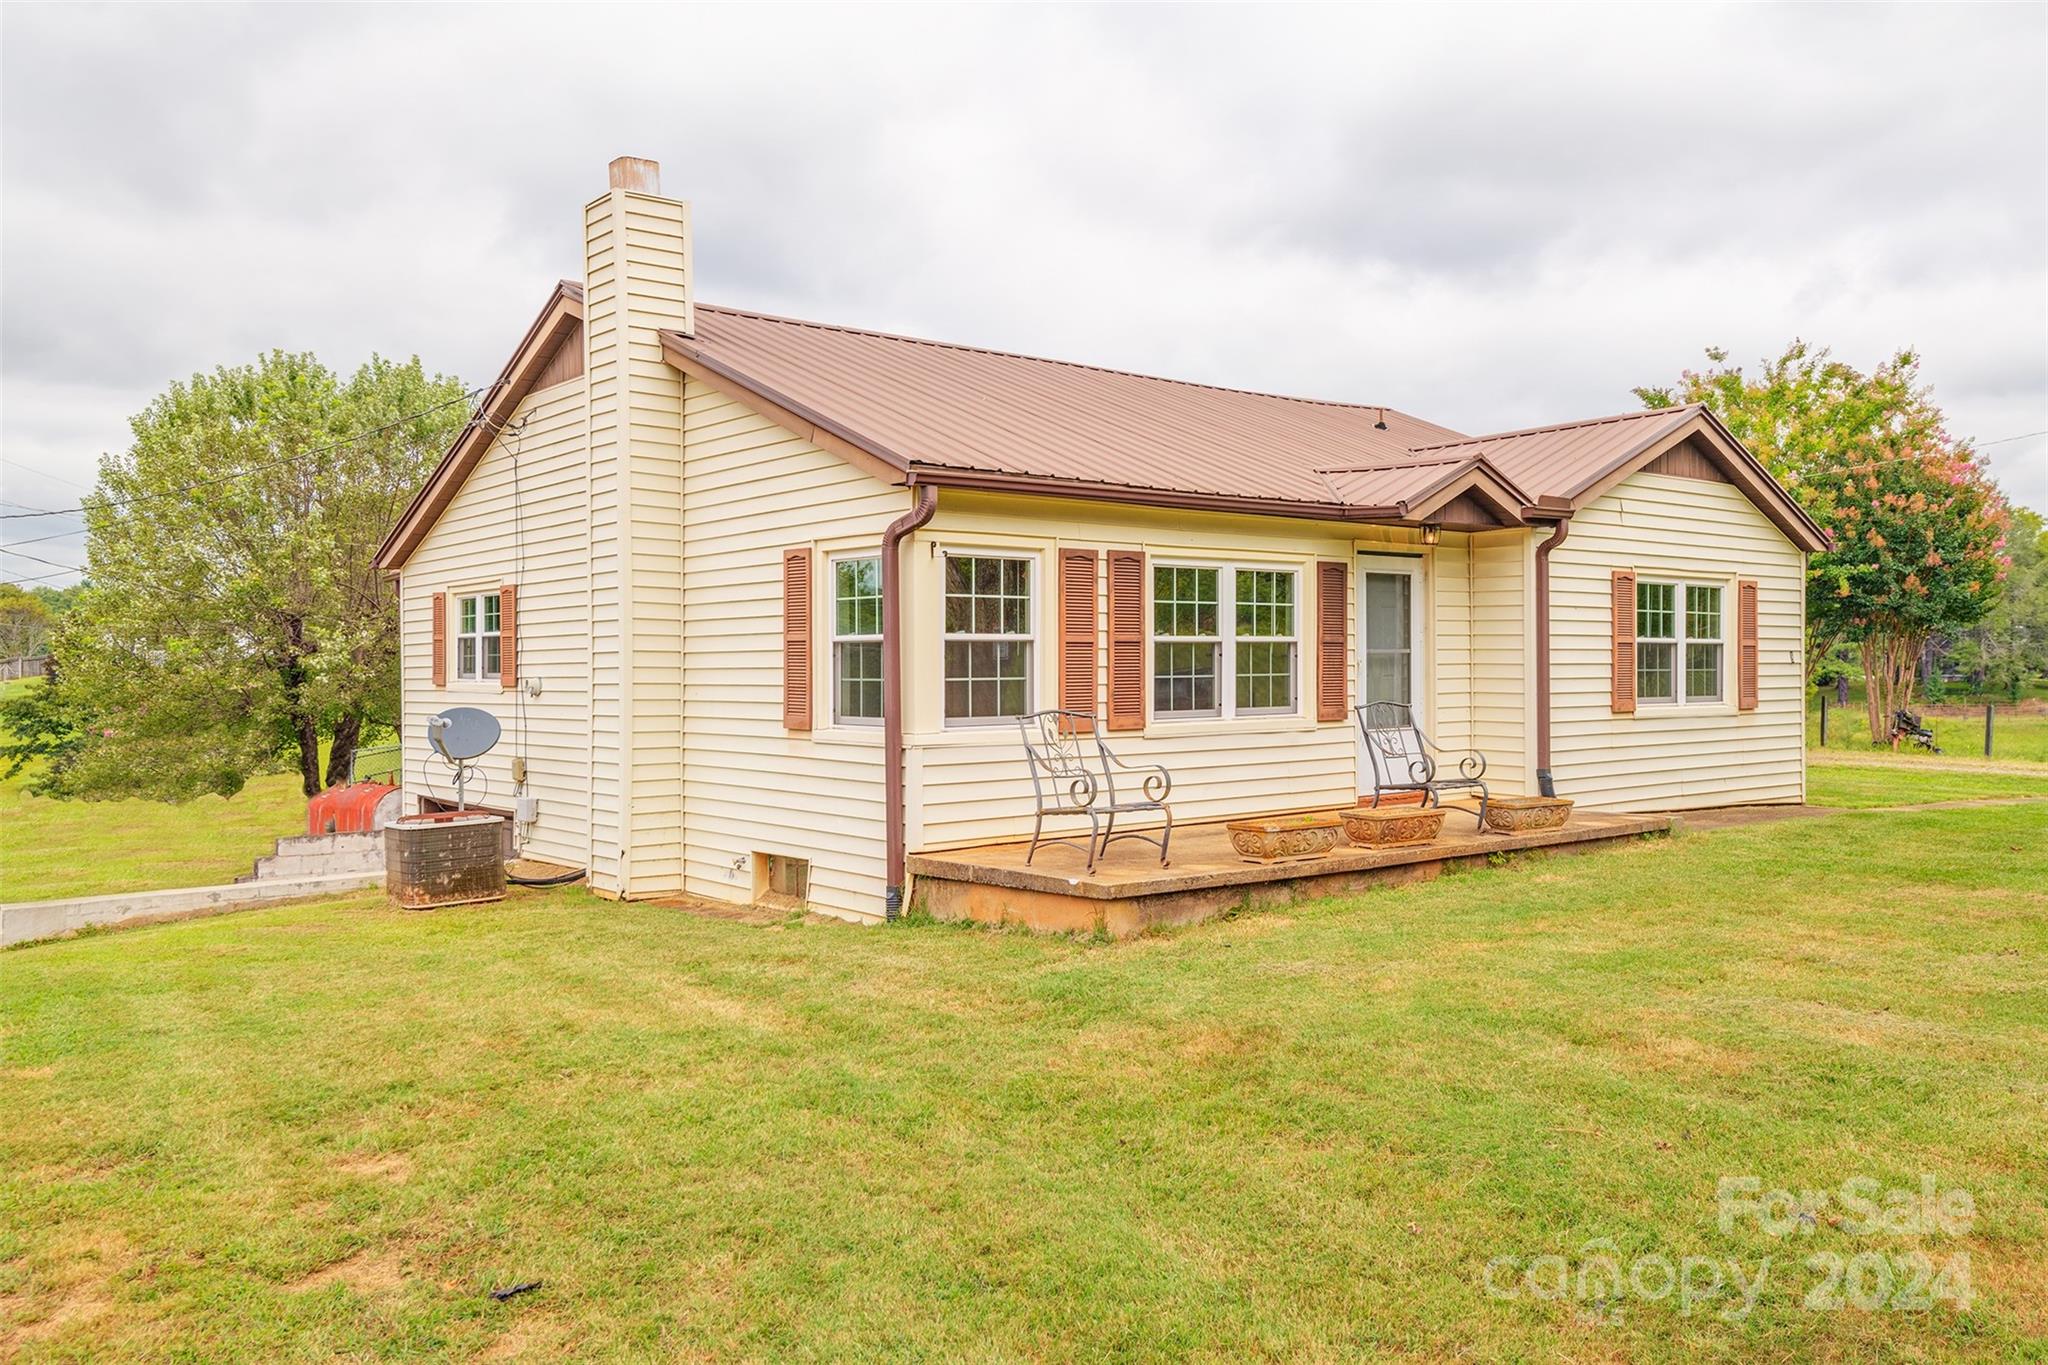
23	582
257	469
2003	439
55	535
44	474
39	559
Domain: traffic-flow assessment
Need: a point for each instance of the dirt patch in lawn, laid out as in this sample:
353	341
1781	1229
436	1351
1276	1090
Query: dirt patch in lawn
371	1271
88	1267
395	1167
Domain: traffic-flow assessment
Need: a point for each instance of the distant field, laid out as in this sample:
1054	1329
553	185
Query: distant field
51	848
2019	732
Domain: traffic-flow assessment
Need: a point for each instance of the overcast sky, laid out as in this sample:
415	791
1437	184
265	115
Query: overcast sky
1488	217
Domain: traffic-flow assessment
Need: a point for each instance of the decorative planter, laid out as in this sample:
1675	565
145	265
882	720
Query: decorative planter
1393	826
1522	814
1392	799
1285	837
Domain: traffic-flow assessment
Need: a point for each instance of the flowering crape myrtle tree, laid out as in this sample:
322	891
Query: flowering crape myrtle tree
1917	527
1919	548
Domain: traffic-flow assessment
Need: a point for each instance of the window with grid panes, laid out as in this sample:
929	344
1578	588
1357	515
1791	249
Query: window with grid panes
988	636
857	640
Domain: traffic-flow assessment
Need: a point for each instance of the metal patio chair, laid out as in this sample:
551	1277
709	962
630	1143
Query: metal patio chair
1074	773
1404	759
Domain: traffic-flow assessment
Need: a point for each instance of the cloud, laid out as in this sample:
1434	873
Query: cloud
1490	217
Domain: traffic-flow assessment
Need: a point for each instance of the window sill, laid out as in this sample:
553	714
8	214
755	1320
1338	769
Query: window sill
1684	708
1006	735
1211	726
858	736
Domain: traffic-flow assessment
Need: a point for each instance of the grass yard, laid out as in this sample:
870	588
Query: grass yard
330	1129
1876	782
2015	734
89	848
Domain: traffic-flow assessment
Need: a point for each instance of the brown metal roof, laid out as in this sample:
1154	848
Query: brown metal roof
1562	459
960	414
929	412
927	404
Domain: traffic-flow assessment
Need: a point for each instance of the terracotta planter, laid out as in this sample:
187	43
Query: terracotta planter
1392	799
1285	837
1393	826
1522	814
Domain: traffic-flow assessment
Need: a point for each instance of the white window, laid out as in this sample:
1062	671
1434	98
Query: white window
1678	642
1187	641
988	637
1207	661
857	640
476	636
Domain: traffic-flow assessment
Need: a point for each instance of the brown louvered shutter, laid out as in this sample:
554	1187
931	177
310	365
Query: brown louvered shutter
440	668
1745	644
508	637
1126	639
1624	684
796	639
1077	631
1332	582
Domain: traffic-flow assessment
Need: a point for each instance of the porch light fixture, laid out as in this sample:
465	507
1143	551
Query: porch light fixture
1430	532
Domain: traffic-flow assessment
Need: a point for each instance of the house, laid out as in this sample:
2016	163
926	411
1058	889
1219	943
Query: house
756	598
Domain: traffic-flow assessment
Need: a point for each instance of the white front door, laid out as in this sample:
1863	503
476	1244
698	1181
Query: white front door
1390	647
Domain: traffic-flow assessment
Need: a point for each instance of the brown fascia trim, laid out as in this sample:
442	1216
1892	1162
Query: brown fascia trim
818	429
564	309
1743	468
1476	477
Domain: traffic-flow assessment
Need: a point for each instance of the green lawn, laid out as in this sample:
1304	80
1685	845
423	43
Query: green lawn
329	1129
1910	781
2013	736
89	848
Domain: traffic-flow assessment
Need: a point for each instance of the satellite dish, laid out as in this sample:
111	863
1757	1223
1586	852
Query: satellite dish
462	732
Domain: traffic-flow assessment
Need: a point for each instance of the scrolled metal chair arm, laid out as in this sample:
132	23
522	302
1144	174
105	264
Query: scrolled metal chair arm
1158	781
1472	766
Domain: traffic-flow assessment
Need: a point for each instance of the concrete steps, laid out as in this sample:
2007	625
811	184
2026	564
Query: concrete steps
321	855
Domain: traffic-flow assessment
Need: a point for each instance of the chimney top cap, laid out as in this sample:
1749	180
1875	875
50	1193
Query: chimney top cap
636	173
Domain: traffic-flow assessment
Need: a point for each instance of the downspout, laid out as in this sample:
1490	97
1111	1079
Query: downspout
892	690
1544	784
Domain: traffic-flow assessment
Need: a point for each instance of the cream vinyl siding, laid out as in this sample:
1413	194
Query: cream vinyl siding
1447	712
1664	756
636	281
750	491
473	548
970	784
1502	632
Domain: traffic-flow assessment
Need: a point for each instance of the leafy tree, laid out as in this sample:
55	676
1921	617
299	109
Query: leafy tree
1917	526
1919	539
2008	649
233	616
24	622
40	721
57	601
